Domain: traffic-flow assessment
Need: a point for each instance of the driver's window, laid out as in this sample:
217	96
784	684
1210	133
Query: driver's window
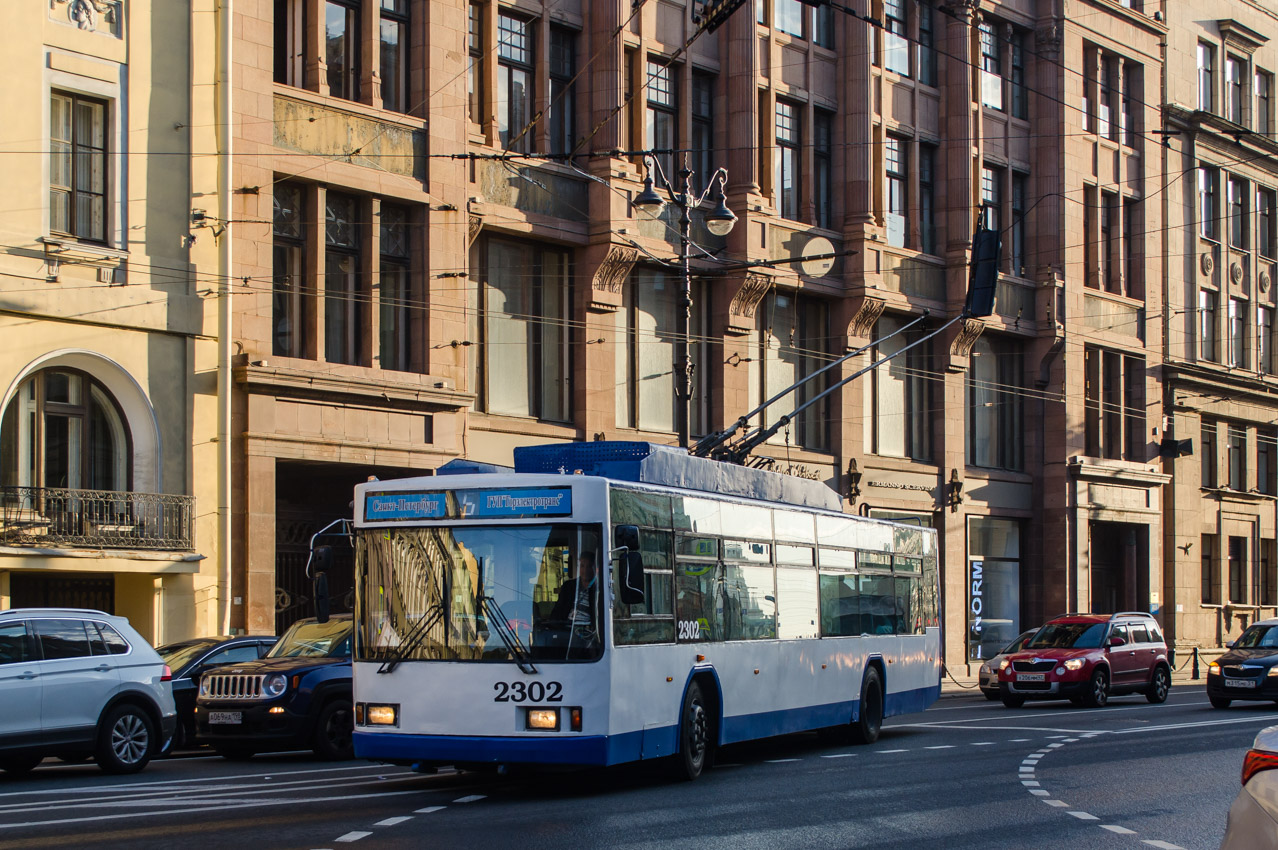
1119	632
231	655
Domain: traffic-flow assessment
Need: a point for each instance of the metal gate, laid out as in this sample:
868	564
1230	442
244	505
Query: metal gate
294	593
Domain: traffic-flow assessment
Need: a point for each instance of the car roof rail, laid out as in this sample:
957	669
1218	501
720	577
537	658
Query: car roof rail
1134	614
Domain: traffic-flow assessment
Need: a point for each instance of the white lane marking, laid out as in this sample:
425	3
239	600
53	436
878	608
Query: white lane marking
1091	711
1253	719
393	821
428	810
282	801
1038	792
352	836
884	752
1057	736
1070	741
940	747
982	743
1054	746
1018	740
121	787
1118	830
473	798
960	724
839	756
1060	804
1029	783
783	761
1083	816
1162	845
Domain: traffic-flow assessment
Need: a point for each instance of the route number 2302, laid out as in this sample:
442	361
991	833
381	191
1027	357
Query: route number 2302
528	692
689	630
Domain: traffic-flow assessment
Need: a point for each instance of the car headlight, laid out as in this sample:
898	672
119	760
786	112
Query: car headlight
985	669
1213	669
1273	672
1074	664
1002	665
274	685
204	687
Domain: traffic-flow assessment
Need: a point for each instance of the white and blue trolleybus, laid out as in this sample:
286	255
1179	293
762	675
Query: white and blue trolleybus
613	602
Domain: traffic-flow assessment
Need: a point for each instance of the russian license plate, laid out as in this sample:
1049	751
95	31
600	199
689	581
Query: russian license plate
1031	677
1240	683
225	717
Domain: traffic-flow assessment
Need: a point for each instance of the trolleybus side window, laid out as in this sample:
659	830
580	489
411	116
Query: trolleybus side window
796	602
698	589
840	604
652	620
750	602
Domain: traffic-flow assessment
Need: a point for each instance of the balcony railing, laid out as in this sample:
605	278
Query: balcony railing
97	519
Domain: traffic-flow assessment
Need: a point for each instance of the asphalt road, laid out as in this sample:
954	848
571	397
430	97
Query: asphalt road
967	773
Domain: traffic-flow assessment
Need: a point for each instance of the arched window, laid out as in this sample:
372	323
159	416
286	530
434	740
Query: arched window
63	429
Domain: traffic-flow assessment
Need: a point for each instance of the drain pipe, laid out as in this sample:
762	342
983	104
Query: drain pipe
225	257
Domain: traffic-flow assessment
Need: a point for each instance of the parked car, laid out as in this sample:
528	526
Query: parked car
299	695
78	684
1253	817
1086	658
988	675
189	659
1249	670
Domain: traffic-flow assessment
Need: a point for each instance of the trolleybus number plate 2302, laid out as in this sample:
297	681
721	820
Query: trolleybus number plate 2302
528	692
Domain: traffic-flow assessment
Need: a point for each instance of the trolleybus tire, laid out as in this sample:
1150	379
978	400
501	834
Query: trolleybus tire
869	722
694	734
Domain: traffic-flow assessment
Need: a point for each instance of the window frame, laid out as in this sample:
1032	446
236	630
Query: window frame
345	308
562	70
787	164
75	158
348	77
510	66
289	290
1206	76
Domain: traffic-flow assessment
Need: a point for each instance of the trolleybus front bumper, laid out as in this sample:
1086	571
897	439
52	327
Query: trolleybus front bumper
466	749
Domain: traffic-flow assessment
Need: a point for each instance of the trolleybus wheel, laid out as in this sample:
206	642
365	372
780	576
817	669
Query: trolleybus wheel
694	734
870	721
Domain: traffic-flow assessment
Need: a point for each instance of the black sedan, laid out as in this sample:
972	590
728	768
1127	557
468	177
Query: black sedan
188	659
1249	670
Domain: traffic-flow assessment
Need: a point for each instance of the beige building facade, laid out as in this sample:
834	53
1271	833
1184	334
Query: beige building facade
100	313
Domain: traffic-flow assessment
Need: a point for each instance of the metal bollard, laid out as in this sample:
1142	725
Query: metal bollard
1195	672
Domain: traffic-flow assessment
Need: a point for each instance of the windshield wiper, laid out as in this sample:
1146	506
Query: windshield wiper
411	641
508	636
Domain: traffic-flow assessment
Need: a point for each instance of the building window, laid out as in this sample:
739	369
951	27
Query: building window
563	94
823	26
289	294
1268	590
341	47
1210	575
991	66
896	191
396	302
1266	469
475	68
1208	475
1238	570
1020	102
1236	199
992	198
1237	333
1105	100
1234	68
345	298
394	58
898	412
927	199
289	48
1133	281
1236	452
1020	208
525	295
1106	255
786	166
789	16
63	428
703	162
1207	214
1115	404
927	43
896	48
995	432
1208	305
1264	102
823	166
1206	76
78	167
663	116
514	82
646	378
1132	74
1264	340
1265	234
793	338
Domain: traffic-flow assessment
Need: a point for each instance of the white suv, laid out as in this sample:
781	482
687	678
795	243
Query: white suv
77	683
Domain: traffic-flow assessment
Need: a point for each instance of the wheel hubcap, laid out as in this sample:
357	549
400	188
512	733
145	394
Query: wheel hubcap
129	739
697	732
339	731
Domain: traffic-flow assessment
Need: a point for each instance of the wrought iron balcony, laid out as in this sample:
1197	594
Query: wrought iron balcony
56	517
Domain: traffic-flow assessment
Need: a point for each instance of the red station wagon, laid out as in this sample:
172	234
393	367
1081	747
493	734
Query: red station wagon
1086	658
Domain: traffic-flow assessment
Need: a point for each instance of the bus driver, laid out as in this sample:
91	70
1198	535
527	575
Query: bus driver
577	603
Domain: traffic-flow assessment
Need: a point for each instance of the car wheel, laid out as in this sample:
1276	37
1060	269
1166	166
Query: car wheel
1013	701
334	731
20	765
1220	702
1097	690
870	722
126	740
181	738
1159	686
235	753
694	734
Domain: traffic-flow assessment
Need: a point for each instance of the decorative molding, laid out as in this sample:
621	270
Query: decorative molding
473	225
963	10
1241	37
1235	273
1206	264
961	348
1048	41
1264	281
101	16
615	268
744	304
867	315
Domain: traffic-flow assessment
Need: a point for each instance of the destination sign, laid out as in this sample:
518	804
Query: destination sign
509	503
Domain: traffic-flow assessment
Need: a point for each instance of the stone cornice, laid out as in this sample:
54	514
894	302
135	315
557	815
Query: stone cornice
293	382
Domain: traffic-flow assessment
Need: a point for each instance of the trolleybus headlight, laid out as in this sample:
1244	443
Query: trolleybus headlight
274	685
382	715
544	719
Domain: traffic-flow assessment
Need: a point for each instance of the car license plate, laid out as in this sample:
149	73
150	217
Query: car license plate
1240	683
1031	677
225	716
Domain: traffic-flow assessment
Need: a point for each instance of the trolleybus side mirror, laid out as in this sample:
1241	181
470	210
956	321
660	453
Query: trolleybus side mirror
630	586
321	561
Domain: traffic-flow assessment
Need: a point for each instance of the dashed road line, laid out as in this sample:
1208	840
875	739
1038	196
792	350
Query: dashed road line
783	761
473	798
940	747
885	752
1163	845
428	810
393	821
838	755
1118	830
1083	815
349	837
